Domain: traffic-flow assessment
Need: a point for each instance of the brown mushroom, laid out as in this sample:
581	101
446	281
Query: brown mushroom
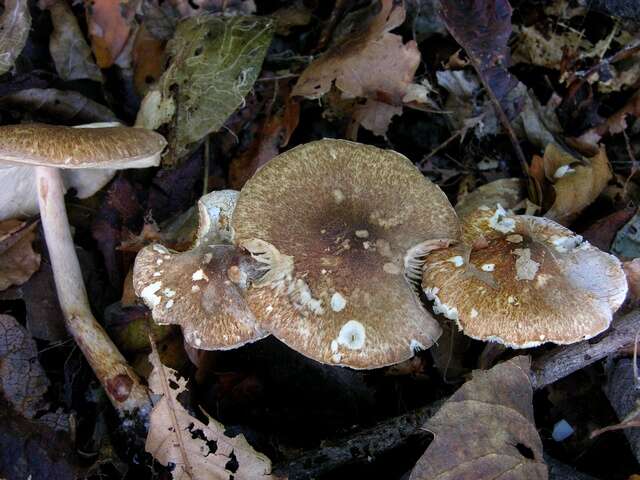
201	289
47	149
523	281
340	229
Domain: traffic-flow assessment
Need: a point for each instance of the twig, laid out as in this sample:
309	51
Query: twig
359	447
362	445
563	361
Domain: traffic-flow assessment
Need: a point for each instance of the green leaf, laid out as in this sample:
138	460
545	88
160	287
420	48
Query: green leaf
213	63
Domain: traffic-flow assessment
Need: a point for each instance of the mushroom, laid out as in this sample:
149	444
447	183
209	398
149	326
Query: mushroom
201	289
522	281
340	229
47	149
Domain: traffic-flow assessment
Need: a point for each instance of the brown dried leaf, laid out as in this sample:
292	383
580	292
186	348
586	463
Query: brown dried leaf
22	379
109	24
482	28
367	62
18	261
70	52
14	30
486	430
632	271
196	449
576	185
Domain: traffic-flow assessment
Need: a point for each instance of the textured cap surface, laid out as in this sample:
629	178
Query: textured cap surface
69	147
202	289
526	281
337	225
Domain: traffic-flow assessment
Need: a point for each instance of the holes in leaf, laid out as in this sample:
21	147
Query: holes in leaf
232	465
525	451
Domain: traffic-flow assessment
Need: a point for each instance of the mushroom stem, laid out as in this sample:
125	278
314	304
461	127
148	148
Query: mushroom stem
118	379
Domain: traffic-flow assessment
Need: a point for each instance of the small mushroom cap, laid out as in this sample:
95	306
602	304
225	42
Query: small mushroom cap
508	192
193	289
68	147
338	226
214	215
526	281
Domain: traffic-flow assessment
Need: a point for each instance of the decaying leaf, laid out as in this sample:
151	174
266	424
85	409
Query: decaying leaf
18	261
626	244
482	28
632	271
486	430
576	183
22	379
214	62
14	30
367	62
547	50
148	60
71	54
196	450
109	25
65	106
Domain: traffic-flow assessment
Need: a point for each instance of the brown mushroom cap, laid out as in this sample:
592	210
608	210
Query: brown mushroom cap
201	289
526	281
338	226
70	147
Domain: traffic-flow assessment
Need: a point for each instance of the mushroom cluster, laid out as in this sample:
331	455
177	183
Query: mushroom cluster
328	240
325	247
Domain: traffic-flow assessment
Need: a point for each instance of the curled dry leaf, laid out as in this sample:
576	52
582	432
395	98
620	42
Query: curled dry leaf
196	449
62	106
632	271
109	25
576	184
483	28
15	24
18	261
486	430
214	62
22	379
69	50
367	62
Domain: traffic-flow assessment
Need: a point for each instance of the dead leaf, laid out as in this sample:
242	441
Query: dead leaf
214	62
71	54
14	30
22	380
576	184
482	28
148	60
486	430
18	261
196	449
626	244
601	233
367	62
109	24
548	49
296	15
273	134
63	106
616	123
190	8
632	271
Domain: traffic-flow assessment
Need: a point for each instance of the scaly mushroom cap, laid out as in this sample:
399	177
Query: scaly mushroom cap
201	289
70	147
526	281
338	226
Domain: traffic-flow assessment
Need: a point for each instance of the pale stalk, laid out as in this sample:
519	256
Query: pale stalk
120	382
